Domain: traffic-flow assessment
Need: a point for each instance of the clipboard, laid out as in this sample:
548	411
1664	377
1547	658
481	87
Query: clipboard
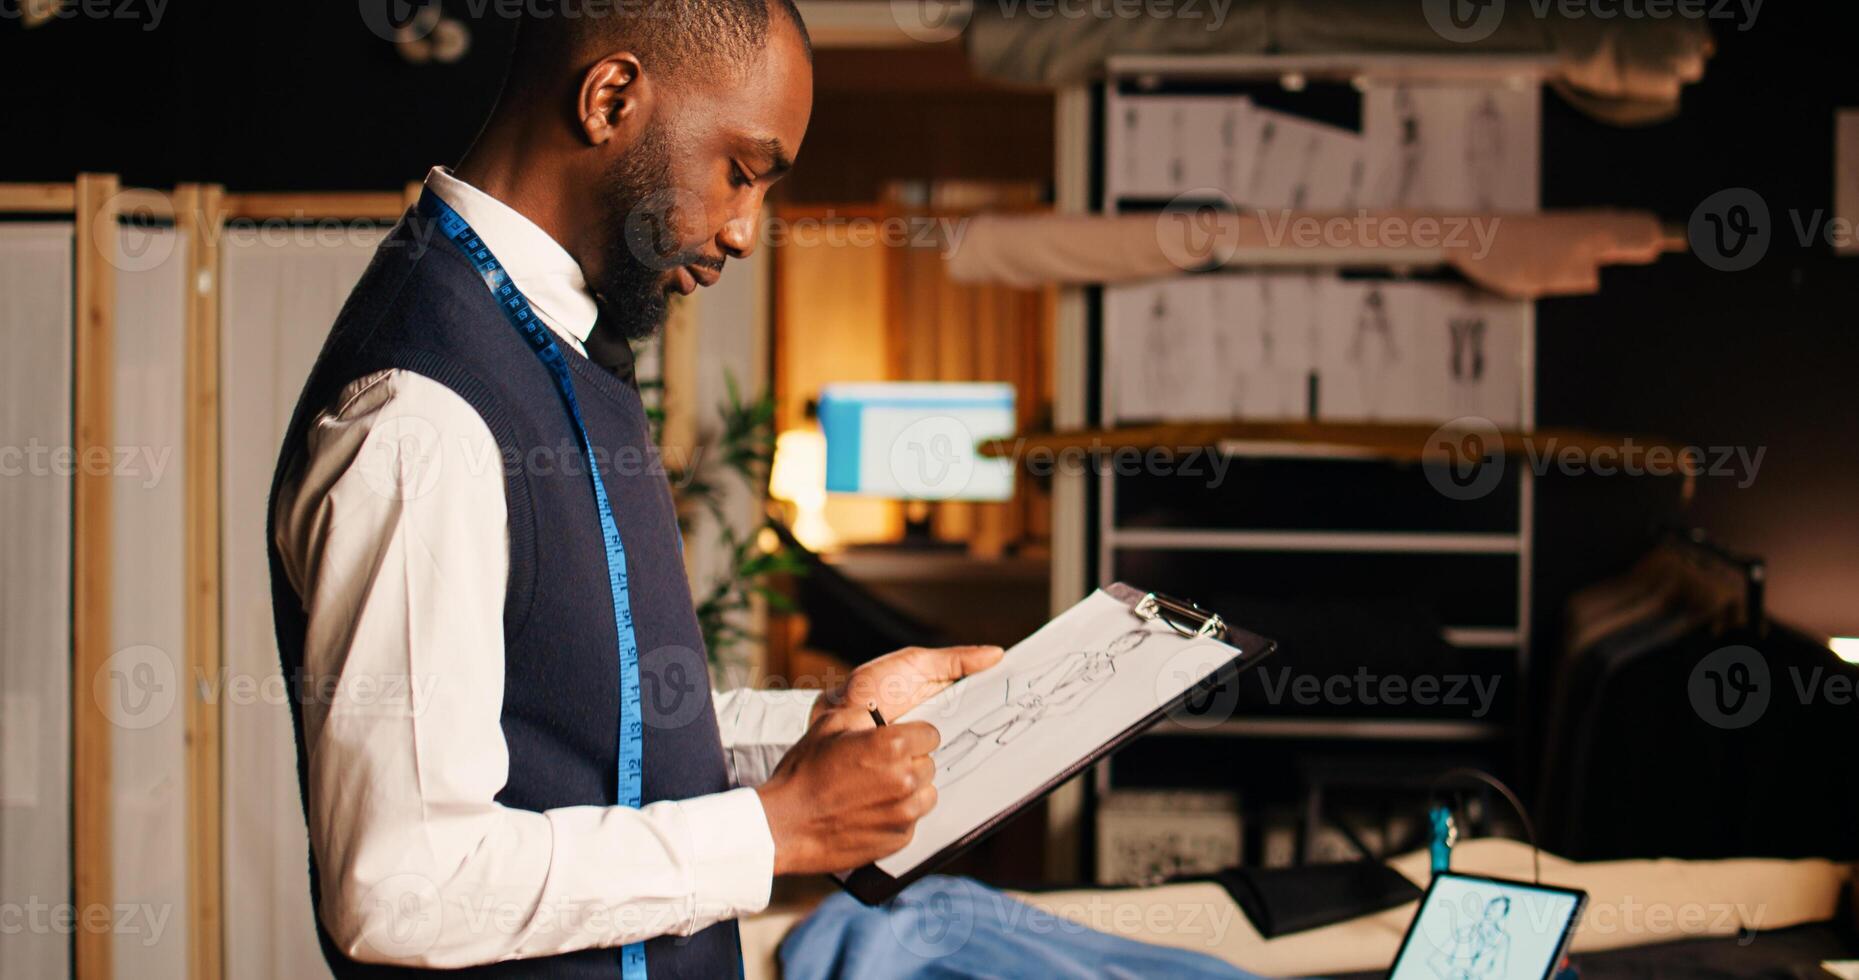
873	885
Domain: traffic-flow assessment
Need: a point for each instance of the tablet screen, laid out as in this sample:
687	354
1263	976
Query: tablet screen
1483	929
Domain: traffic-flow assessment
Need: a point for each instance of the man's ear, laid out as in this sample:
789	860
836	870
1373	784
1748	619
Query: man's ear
614	101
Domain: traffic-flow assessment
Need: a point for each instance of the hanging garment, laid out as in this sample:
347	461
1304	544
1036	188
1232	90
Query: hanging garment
1668	774
1624	71
1538	255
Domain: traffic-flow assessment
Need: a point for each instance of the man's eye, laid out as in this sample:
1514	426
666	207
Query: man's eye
738	178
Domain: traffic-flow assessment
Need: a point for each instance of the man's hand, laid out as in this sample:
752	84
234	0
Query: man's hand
849	792
898	682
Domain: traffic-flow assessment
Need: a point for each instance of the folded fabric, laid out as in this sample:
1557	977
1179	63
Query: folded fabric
1517	256
954	927
1625	71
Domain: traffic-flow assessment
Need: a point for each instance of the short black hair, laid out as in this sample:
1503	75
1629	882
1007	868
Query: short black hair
678	38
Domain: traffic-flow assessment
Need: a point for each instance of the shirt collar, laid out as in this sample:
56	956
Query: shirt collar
538	264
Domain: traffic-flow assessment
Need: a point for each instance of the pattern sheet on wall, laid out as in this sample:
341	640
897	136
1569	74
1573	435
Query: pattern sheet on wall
280	299
1279	345
1460	148
145	676
35	586
1296	345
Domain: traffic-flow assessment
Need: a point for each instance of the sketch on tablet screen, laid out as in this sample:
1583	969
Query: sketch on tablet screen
1478	950
1053	689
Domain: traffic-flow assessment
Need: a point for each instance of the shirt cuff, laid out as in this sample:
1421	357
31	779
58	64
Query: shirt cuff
758	728
735	867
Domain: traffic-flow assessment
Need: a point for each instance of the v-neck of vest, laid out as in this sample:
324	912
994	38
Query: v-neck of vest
603	380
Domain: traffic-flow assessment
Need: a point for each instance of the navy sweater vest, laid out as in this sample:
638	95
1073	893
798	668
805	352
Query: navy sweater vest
421	307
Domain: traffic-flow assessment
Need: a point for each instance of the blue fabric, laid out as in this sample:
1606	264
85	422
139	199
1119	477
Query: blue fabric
954	927
422	307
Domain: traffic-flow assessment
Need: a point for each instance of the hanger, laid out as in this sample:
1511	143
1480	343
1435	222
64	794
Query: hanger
1720	570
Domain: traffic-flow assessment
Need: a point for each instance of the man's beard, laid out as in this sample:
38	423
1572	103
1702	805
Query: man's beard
644	243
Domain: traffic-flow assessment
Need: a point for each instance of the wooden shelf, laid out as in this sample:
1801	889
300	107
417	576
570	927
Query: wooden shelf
1396	442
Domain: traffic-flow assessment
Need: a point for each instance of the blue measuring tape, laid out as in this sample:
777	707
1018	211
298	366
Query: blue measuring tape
541	339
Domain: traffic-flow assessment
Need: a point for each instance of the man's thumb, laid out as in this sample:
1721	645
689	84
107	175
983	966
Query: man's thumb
974	660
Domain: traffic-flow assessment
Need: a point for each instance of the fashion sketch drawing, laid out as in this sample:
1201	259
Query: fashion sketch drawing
1053	689
1480	949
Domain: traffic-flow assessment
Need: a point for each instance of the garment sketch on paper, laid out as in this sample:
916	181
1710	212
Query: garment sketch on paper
1300	191
1178	159
1374	330
1158	351
1232	364
1229	150
1268	144
1484	152
1053	689
1411	153
1467	368
1131	145
1480	949
1358	175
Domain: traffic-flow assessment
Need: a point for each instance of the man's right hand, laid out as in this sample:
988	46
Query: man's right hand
849	792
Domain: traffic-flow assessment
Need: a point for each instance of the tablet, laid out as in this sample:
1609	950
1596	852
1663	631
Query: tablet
1472	928
1086	683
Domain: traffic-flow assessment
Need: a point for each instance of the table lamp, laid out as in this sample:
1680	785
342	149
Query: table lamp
798	477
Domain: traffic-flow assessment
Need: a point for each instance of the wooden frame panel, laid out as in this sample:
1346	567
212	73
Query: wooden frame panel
96	202
38	198
96	199
388	206
199	213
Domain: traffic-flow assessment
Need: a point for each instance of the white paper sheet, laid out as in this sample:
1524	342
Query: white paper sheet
1164	146
1418	352
1462	148
1077	683
1481	367
1374	363
1302	164
1267	326
1160	352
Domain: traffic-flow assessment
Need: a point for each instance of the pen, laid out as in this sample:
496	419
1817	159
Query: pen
872	706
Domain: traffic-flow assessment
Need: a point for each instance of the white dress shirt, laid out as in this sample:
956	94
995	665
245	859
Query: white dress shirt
405	595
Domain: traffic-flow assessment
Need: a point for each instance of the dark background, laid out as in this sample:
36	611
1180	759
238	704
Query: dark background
289	95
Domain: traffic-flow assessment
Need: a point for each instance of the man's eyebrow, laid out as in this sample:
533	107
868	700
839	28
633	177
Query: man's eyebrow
772	150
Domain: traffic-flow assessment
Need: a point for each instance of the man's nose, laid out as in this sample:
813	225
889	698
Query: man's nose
737	238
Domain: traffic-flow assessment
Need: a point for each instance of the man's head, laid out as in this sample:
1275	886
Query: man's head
666	123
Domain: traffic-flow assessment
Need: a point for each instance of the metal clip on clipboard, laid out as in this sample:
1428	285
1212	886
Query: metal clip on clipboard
1185	618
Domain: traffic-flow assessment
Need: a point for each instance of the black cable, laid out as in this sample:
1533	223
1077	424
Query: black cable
1529	829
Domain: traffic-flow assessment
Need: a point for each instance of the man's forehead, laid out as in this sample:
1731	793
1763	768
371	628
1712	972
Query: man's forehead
767	104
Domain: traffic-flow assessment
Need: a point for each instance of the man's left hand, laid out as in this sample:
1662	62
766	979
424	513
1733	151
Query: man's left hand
898	682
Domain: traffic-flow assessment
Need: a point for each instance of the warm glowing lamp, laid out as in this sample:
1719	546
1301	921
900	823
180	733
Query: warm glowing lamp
799	477
1846	648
